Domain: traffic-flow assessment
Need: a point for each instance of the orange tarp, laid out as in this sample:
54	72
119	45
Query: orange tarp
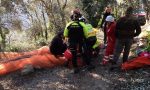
41	58
37	61
135	63
11	55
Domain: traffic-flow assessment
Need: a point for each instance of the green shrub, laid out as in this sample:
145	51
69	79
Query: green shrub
41	42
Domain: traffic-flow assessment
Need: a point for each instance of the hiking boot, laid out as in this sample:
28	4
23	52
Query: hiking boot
104	62
111	68
113	62
66	64
115	67
90	67
124	61
76	70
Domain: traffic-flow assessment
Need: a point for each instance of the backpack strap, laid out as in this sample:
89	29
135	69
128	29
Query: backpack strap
79	24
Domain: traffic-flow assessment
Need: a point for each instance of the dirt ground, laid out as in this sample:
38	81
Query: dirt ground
61	78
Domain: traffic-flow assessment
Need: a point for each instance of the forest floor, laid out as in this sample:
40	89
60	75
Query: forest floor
61	78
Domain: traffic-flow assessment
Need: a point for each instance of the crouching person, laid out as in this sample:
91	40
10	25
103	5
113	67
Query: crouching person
92	42
57	45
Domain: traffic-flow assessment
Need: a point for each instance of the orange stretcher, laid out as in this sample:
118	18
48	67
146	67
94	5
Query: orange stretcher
135	63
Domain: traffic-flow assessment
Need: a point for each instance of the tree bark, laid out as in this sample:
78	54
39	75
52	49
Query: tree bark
45	29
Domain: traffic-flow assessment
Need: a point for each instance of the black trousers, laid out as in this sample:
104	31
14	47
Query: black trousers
122	45
90	42
78	47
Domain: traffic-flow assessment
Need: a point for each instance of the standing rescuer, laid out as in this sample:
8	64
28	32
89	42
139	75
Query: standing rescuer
75	33
127	27
110	28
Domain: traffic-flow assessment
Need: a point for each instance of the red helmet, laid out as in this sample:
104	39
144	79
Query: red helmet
76	11
75	14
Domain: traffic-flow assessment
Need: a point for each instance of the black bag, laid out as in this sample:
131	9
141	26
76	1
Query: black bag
75	32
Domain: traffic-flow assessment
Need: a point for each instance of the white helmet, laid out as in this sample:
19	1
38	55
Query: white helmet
110	18
82	18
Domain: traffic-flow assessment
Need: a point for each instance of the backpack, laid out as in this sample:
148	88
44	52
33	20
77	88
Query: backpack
75	32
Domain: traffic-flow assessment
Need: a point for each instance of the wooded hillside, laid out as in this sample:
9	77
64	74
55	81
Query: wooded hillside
36	21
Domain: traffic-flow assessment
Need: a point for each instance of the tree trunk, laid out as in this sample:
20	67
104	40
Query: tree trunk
62	14
3	36
39	21
94	10
45	29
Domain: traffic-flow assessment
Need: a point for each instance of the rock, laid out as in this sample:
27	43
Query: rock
122	79
27	69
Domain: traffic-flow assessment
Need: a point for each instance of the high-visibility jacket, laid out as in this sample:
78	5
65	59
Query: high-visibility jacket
91	33
76	23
